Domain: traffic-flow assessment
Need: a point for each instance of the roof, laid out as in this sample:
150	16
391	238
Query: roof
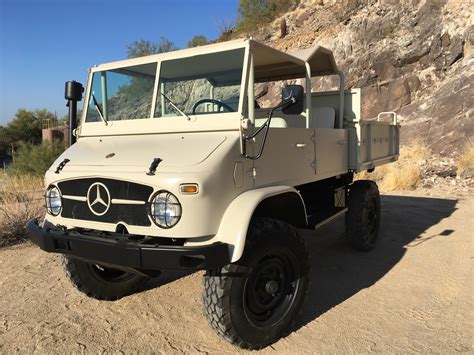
270	63
319	58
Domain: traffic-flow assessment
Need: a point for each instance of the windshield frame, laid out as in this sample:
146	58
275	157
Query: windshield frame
152	125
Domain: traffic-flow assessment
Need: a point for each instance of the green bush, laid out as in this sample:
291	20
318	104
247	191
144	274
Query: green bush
142	47
255	13
35	159
198	40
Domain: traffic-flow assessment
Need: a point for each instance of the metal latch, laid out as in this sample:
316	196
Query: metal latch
153	166
61	165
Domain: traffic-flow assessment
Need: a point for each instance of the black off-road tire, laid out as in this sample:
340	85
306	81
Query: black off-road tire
363	215
257	300
99	282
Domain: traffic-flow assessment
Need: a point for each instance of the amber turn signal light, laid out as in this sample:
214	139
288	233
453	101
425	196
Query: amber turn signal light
189	188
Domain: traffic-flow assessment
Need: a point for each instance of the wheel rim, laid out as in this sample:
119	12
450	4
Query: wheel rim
109	274
271	289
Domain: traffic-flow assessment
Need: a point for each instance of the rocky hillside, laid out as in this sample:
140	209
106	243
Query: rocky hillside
409	56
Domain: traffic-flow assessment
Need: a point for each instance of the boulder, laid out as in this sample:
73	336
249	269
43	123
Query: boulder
283	28
302	18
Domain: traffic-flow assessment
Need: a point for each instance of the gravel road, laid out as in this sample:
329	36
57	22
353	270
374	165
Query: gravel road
413	293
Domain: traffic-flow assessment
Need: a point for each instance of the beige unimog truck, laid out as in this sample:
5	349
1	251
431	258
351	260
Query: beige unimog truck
183	162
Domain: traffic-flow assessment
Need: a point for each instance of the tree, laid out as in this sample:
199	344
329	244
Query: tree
142	47
198	40
36	159
25	127
3	144
165	45
253	13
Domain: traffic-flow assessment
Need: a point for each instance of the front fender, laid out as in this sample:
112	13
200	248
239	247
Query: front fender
235	222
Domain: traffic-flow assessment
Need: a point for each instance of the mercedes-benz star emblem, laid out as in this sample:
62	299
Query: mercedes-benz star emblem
98	199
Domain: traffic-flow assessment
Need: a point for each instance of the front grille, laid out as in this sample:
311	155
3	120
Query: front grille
125	208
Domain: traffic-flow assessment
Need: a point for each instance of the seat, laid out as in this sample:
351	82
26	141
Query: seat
277	122
323	117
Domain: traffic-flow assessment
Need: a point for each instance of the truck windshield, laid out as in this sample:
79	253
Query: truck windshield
122	94
204	84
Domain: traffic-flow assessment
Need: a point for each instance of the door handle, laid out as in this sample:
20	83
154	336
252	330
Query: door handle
300	145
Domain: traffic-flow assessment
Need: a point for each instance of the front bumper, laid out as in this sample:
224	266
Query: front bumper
125	253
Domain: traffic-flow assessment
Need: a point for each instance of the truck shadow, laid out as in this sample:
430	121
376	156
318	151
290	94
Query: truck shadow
339	272
165	277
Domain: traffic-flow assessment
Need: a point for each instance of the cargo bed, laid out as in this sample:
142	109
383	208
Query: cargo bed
371	142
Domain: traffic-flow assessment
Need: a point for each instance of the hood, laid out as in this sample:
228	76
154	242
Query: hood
175	150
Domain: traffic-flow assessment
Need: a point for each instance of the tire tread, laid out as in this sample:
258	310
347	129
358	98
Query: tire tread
217	284
356	228
69	266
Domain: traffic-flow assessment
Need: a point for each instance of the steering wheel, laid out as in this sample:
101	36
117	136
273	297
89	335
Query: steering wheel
212	101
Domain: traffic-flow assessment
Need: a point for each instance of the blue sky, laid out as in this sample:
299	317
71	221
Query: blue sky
44	43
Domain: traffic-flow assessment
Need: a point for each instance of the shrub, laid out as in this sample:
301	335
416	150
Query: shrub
404	174
465	164
35	159
401	178
198	40
142	47
255	13
20	200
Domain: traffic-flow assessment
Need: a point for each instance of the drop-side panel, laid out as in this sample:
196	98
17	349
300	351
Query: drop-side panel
379	143
331	152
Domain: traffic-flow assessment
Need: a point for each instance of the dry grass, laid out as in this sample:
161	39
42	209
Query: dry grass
20	200
465	164
404	174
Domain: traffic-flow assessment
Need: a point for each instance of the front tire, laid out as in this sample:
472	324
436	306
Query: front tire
100	282
363	215
257	300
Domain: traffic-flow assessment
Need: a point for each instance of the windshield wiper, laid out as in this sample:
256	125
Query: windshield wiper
176	107
99	110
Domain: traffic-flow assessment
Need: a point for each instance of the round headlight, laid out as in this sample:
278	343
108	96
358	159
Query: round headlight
165	209
53	201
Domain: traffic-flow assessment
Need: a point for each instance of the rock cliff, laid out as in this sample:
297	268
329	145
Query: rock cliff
409	56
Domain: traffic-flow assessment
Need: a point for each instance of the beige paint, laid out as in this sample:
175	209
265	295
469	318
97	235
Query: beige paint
207	149
213	172
236	219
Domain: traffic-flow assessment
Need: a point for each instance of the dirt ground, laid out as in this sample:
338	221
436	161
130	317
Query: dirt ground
413	293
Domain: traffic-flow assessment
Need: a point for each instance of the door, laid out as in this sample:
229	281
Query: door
287	159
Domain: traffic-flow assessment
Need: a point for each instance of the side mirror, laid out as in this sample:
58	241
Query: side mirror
292	96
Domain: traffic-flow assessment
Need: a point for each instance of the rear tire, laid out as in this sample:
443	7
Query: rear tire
363	215
257	300
100	282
